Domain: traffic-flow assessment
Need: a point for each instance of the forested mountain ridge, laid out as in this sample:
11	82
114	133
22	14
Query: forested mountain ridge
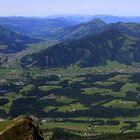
89	51
130	28
79	31
11	42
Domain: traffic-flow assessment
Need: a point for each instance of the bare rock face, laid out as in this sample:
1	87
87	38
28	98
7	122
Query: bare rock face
22	129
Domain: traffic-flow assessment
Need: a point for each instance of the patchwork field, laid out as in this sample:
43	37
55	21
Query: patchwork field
85	102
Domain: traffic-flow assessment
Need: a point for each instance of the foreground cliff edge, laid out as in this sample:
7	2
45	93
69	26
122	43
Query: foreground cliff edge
22	128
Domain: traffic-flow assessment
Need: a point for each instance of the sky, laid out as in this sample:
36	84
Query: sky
66	7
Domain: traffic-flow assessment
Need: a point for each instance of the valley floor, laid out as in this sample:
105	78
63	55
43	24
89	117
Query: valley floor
83	101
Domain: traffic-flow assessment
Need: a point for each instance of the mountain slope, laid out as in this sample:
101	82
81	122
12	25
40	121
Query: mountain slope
21	129
35	27
11	42
80	31
93	27
90	51
131	28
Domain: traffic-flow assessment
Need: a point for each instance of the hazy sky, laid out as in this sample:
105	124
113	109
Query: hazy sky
57	7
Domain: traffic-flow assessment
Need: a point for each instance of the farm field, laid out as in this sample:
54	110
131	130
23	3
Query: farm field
85	102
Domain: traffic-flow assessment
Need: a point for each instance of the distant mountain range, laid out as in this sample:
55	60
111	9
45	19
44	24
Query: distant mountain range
56	27
105	18
95	26
79	31
89	43
35	27
102	42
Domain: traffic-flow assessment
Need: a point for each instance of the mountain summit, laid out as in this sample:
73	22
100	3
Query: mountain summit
22	128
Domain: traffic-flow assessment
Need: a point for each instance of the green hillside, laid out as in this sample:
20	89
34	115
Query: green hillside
79	31
11	42
90	51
